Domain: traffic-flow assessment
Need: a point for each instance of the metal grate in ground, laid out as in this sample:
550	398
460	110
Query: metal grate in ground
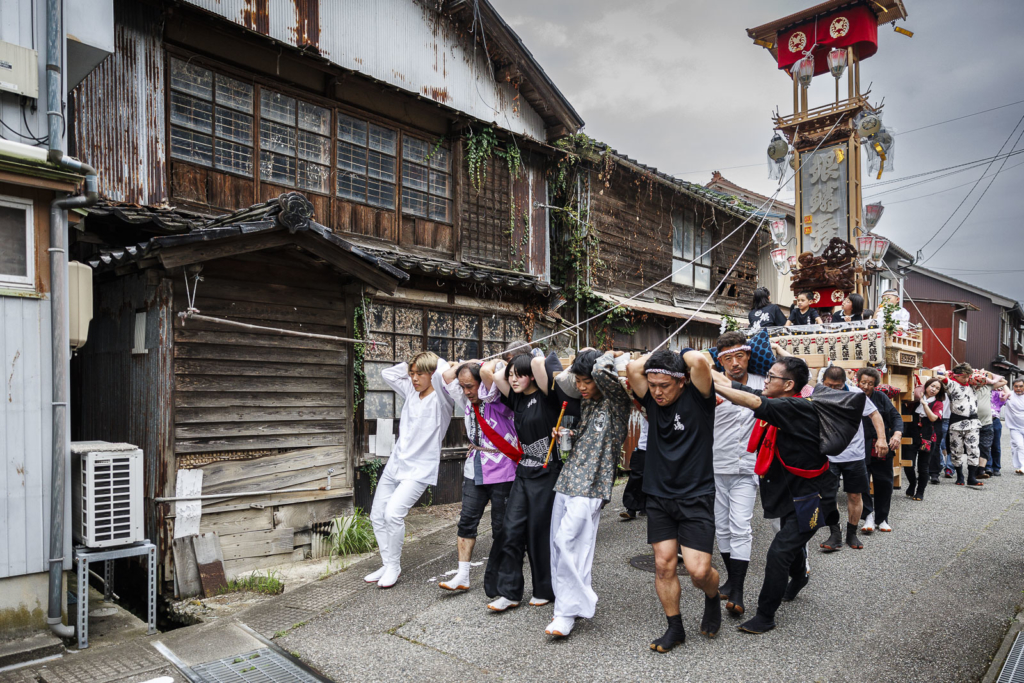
259	666
1013	669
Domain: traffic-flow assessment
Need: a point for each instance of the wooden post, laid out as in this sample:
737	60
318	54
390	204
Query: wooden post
796	96
849	70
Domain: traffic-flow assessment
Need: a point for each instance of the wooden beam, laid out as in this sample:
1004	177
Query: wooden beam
348	263
187	254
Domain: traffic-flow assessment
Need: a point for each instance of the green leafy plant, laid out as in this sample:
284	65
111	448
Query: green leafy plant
352	534
372	469
360	330
268	584
889	323
729	324
479	149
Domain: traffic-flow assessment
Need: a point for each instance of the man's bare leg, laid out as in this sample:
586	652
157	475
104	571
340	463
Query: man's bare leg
705	577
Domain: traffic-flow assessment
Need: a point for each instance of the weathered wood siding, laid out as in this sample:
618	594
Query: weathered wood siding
236	391
633	217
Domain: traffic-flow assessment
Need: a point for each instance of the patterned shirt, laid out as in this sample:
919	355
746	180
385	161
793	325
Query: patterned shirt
590	470
963	407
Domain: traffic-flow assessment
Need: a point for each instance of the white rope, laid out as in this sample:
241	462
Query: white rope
923	318
747	246
770	200
194	315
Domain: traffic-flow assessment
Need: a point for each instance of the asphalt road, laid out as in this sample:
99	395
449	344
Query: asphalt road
930	601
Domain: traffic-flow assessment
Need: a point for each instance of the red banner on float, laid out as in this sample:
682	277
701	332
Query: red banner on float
828	298
856	26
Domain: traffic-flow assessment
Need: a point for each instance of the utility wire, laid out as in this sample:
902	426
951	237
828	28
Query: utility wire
976	202
932	194
923	318
971	191
965	166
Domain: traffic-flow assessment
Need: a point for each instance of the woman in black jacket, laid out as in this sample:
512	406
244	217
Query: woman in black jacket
928	420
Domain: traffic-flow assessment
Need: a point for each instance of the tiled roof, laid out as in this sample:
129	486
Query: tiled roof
462	271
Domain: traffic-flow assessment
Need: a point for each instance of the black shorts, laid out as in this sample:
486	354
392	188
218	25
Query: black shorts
855	475
690	521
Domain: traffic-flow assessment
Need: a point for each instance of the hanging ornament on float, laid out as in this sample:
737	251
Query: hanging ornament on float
872	212
878	249
779	231
837	62
803	70
778	151
865	245
868	125
780	261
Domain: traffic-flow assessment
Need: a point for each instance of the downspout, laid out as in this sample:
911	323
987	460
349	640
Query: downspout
59	308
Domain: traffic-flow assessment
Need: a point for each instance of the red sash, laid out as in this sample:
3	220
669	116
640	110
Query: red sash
763	439
514	453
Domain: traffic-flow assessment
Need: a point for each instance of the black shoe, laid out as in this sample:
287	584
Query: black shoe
675	635
739	576
794	587
934	481
960	476
972	476
757	625
726	588
996	473
627	515
834	541
711	622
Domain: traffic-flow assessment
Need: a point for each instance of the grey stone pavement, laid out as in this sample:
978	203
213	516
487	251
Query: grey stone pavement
930	601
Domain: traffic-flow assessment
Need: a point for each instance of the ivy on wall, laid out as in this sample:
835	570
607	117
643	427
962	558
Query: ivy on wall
480	148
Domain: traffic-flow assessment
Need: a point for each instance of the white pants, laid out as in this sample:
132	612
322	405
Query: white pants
391	503
777	526
735	495
574	522
1017	448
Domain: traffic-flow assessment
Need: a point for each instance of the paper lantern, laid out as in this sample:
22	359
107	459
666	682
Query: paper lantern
879	248
778	230
803	70
865	245
872	212
778	148
779	260
837	62
792	262
869	125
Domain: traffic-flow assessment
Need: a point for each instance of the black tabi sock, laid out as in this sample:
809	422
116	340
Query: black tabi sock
711	622
723	590
675	635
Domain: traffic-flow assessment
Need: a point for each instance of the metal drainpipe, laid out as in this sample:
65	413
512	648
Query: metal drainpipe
59	309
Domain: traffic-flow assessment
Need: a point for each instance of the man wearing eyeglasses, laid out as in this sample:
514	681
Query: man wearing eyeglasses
792	468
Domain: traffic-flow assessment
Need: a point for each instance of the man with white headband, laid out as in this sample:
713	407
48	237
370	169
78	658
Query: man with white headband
735	482
900	315
679	481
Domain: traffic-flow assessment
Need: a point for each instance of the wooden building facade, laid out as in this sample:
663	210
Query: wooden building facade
430	234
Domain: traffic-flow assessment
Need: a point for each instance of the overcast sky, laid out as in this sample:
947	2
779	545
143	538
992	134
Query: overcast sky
679	86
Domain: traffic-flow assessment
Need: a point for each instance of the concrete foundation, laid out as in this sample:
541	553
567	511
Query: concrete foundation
23	602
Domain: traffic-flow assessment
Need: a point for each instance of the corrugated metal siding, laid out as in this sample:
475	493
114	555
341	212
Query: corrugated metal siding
399	42
119	110
25	435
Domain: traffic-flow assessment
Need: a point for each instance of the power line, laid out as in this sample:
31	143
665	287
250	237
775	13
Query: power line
965	166
965	116
971	191
978	201
932	194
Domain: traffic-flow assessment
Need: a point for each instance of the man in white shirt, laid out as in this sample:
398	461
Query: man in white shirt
735	481
415	458
851	464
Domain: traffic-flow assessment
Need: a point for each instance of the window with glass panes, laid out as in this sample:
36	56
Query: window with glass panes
366	162
690	242
211	118
295	142
426	180
402	331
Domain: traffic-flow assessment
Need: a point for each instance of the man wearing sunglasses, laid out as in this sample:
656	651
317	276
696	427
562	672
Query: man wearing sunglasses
791	467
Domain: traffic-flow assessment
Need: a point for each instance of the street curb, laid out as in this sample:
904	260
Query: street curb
999	659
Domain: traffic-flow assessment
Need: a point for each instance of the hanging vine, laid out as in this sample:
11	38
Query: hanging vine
481	147
360	327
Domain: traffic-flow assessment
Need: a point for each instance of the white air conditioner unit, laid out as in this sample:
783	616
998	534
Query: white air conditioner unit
106	493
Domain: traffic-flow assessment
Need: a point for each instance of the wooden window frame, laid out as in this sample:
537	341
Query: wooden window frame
430	168
297	128
27	281
259	81
679	257
254	143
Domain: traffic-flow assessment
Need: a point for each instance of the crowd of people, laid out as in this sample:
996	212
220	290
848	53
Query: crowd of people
712	440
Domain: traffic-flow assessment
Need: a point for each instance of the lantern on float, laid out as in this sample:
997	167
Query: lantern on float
779	260
865	244
872	212
778	229
837	62
778	148
868	125
803	70
792	262
880	246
